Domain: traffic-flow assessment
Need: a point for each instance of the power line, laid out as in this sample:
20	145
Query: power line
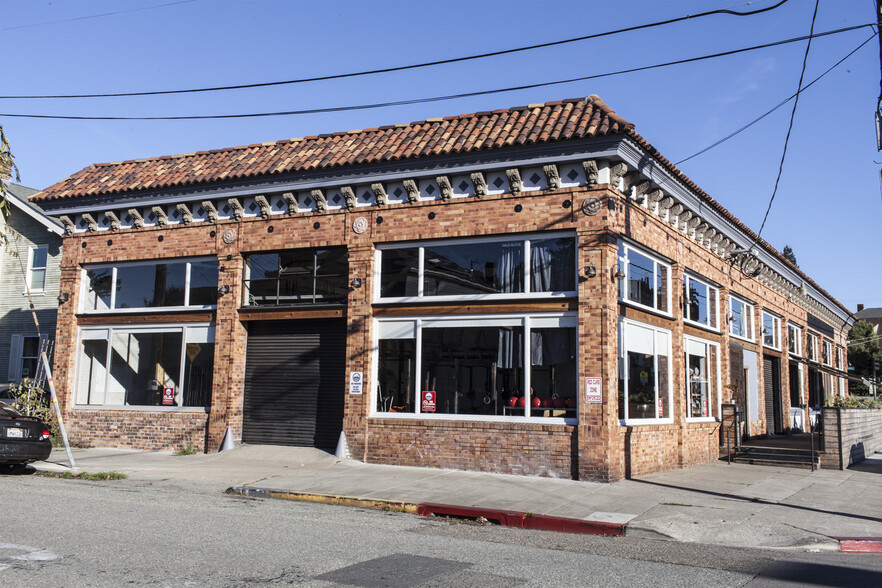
39	24
777	106
790	126
439	98
402	67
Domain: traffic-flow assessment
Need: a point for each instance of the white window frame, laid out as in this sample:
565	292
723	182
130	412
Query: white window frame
622	349
839	357
421	247
749	312
84	287
527	321
776	330
32	268
827	352
716	410
712	291
16	357
190	333
794	337
811	347
625	247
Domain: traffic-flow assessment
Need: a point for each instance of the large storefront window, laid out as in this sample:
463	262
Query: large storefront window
154	366
154	285
702	378
478	269
496	367
297	276
645	279
644	372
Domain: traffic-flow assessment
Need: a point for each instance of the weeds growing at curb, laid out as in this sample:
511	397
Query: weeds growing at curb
188	450
85	475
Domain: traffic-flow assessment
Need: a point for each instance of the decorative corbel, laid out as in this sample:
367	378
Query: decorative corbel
161	217
700	230
67	224
631	179
640	190
348	197
91	225
238	211
674	213
321	203
137	219
591	173
654	196
692	223
515	185
114	220
413	191
186	215
616	172
263	203
210	211
480	184
709	235
683	219
379	193
552	177
446	188
291	200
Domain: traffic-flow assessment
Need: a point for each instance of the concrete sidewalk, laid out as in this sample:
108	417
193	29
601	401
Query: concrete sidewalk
737	505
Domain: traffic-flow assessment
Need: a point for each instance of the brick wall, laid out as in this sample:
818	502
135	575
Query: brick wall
149	430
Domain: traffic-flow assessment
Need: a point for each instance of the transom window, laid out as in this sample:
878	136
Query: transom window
700	302
646	279
154	285
702	378
644	372
297	276
515	367
167	366
740	318
460	270
794	339
771	330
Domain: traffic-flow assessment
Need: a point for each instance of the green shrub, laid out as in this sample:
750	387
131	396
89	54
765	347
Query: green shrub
857	402
32	400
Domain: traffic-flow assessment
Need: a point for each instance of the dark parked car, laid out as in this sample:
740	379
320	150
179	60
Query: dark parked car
23	439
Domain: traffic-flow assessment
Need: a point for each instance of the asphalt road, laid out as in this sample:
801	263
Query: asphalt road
174	534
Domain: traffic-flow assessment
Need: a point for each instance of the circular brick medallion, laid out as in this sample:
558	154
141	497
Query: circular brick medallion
360	225
229	236
591	205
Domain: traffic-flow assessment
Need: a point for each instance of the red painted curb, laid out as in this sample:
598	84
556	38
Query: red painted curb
510	518
860	544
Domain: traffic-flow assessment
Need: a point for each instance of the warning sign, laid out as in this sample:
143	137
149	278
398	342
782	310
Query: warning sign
356	381
168	396
594	390
428	401
193	350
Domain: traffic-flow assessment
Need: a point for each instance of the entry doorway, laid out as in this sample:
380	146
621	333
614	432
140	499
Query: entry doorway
772	385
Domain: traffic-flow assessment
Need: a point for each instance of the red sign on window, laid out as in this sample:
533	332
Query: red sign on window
661	408
168	396
428	401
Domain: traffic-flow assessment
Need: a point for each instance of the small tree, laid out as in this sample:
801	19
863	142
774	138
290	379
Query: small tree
789	256
7	169
863	346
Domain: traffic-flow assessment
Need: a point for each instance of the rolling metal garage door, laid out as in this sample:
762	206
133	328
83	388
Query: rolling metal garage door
294	383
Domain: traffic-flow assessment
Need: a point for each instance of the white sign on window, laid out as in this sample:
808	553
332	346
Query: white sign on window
594	390
355	382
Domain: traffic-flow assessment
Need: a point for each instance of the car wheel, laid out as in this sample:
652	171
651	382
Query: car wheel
13	468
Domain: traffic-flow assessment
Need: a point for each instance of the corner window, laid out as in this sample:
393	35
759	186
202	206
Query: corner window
486	368
700	302
159	366
151	285
297	276
811	346
740	318
794	339
38	258
702	378
494	268
645	280
771	330
644	372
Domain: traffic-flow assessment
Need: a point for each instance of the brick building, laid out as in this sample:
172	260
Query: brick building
533	290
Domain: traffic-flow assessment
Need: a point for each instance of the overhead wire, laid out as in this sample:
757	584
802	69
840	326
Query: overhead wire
404	67
87	17
444	97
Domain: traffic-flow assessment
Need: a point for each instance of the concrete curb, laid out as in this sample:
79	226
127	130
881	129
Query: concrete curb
506	518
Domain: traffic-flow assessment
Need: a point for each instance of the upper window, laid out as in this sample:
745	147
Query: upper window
700	302
794	339
827	352
495	367
646	279
154	285
703	378
838	357
811	346
37	259
169	366
644	372
771	330
740	318
297	276
479	269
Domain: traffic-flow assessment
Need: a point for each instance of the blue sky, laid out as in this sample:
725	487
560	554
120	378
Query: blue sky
828	203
